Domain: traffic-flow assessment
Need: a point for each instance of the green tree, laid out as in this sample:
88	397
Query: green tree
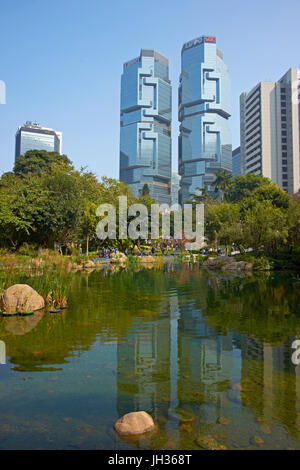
145	190
199	197
272	192
88	222
21	204
60	220
265	227
222	182
40	161
296	196
223	224
242	186
293	216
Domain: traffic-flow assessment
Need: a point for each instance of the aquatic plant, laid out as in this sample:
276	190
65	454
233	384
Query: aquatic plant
132	261
200	258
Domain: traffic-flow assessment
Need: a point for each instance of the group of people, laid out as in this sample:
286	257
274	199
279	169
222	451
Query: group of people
165	250
107	252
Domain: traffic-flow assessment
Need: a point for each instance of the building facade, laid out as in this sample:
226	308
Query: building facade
270	125
145	137
236	162
175	187
204	111
32	136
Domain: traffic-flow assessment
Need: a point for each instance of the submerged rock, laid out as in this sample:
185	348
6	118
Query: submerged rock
227	263
182	415
22	296
223	420
257	440
265	428
186	427
134	423
209	443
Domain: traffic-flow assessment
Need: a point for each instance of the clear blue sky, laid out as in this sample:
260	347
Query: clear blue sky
62	61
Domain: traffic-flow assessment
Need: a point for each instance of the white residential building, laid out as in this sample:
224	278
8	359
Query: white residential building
270	127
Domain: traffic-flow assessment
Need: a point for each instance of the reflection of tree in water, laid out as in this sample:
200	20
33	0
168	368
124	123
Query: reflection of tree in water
93	311
269	310
267	316
217	313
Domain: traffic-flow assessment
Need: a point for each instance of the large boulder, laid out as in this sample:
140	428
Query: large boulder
121	257
244	266
218	261
137	422
22	296
88	264
227	263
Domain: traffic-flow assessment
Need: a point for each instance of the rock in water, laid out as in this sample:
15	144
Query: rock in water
134	423
22	296
88	264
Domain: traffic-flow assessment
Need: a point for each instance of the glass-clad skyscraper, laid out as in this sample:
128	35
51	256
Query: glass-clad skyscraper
31	136
204	110
145	138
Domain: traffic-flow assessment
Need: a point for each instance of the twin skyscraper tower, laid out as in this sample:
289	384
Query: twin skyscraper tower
204	108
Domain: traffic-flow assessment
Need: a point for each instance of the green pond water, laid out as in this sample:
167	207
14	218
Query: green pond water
208	355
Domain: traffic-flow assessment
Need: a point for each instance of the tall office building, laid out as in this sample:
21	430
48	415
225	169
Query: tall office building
270	126
236	161
204	110
145	138
34	137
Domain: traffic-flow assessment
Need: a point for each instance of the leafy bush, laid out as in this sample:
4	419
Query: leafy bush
132	260
260	263
28	250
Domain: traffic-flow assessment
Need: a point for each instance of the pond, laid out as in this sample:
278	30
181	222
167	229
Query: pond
207	354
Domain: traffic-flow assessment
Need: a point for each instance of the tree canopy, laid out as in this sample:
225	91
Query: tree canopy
46	200
40	161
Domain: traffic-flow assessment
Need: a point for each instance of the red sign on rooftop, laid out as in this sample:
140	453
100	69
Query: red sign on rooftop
210	39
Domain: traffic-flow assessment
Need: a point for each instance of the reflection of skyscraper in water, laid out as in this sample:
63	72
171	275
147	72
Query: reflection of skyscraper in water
286	379
205	358
147	372
159	358
143	373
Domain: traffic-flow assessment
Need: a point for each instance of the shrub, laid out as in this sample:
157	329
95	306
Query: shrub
28	250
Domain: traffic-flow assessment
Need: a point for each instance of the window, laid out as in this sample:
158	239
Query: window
284	162
284	168
283	141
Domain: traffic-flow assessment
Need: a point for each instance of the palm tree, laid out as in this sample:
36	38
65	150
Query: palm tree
199	198
222	182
